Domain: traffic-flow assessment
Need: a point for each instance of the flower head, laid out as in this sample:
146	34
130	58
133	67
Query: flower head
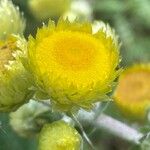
132	93
44	9
59	136
73	65
14	80
11	21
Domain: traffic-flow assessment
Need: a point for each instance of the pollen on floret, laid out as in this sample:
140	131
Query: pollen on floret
6	54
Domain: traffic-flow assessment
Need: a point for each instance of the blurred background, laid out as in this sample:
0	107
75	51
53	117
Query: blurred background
130	19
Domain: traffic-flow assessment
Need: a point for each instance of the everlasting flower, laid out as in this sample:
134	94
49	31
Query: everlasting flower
43	9
73	65
59	136
14	80
133	92
11	21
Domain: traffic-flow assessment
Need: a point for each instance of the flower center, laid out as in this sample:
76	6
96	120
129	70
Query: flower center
73	51
77	56
135	86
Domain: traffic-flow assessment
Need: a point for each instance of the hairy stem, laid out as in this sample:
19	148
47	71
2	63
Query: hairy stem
118	128
83	132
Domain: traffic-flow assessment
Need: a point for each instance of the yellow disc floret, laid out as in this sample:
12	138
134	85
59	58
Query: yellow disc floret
73	65
59	136
133	91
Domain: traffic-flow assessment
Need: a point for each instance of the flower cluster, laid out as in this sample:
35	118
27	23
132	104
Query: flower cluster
73	64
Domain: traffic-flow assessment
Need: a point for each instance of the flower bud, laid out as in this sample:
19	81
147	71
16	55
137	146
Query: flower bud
14	80
11	21
80	9
44	9
59	136
26	121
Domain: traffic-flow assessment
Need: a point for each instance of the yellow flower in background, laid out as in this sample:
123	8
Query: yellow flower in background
73	65
44	9
133	92
11	20
14	80
59	136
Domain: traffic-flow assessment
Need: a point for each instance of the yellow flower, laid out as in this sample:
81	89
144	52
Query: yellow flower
133	92
73	65
11	20
59	136
14	80
43	9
